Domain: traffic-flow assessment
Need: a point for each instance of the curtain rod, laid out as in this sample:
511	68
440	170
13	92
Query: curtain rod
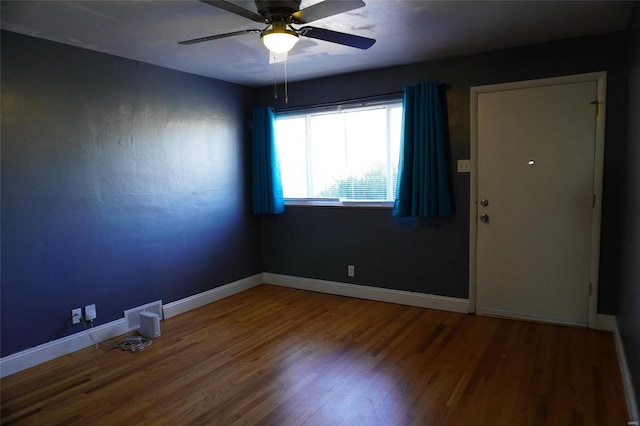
380	96
340	102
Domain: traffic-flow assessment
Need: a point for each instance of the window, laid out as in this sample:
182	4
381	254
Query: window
342	156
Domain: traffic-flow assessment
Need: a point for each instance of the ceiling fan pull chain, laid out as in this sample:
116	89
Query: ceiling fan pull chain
286	85
275	81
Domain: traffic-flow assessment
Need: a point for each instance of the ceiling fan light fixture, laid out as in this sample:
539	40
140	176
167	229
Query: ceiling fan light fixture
279	39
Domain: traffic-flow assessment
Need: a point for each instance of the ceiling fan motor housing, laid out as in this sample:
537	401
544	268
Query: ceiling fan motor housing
277	9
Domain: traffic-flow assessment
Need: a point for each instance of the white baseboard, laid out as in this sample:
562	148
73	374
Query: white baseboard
46	352
606	322
56	348
629	393
409	298
197	300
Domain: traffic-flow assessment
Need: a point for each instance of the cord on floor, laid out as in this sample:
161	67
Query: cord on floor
88	331
131	344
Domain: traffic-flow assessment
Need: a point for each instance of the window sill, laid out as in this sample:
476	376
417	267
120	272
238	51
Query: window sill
336	202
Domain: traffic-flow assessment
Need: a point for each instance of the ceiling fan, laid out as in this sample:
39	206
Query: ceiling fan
280	16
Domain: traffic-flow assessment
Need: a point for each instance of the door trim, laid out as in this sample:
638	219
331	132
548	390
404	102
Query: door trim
601	80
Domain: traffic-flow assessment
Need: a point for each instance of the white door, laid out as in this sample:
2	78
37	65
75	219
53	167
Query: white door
534	189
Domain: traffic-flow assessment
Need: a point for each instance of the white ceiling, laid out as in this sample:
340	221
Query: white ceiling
406	32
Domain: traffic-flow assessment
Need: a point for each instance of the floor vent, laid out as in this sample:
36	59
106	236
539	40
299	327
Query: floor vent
133	315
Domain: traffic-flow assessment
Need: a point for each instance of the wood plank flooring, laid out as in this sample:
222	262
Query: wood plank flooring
279	356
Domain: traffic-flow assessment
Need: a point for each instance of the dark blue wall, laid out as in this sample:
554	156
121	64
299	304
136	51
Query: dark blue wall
629	314
433	257
122	183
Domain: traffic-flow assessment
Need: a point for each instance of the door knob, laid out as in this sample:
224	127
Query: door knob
484	218
484	202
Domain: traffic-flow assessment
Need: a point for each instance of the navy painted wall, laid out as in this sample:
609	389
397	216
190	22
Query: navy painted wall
629	314
432	257
122	183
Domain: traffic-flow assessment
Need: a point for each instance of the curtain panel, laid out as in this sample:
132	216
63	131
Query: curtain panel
423	171
267	184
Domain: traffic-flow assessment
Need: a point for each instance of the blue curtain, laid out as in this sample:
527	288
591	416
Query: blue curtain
423	175
267	185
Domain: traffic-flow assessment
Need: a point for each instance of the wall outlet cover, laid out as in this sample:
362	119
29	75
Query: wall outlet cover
76	314
351	270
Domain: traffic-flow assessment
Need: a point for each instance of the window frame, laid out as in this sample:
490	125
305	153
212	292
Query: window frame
394	100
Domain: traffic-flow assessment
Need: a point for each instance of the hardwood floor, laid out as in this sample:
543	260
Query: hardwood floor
279	356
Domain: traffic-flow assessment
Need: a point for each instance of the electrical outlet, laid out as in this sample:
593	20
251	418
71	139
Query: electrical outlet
90	312
351	270
76	314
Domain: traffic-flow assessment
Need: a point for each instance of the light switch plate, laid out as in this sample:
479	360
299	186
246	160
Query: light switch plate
464	166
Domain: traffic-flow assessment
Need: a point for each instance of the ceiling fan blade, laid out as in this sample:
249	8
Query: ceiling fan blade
325	9
215	37
230	7
337	37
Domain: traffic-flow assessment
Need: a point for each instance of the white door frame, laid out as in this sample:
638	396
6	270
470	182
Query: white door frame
601	79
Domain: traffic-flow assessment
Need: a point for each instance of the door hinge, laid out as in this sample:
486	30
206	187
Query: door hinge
590	288
597	104
594	200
